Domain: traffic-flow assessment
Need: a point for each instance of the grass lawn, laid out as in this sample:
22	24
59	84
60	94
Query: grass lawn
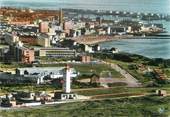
116	90
127	107
167	72
28	88
139	76
4	46
7	66
100	69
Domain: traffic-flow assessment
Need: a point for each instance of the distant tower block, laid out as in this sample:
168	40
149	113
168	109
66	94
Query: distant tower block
67	80
43	27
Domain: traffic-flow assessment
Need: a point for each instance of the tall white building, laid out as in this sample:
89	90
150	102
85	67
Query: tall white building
66	94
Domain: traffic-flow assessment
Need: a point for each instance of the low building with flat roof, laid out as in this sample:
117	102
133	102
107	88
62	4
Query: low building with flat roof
41	72
57	52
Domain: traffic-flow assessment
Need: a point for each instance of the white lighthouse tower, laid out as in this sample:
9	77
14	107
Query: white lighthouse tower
67	80
66	94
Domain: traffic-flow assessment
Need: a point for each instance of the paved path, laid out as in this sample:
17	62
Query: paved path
129	79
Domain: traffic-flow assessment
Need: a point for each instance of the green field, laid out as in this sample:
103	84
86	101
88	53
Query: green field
116	90
167	72
134	72
99	69
127	107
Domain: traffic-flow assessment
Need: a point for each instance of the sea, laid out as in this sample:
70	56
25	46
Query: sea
153	48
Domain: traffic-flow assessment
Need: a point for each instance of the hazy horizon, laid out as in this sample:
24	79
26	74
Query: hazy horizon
153	6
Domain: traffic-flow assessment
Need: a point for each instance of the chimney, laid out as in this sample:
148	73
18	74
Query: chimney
61	17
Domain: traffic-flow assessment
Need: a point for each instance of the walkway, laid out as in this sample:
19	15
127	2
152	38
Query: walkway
129	79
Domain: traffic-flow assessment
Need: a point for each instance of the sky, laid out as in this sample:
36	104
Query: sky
145	1
33	0
161	6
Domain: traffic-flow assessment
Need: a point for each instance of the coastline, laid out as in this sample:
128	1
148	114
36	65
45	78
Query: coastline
91	40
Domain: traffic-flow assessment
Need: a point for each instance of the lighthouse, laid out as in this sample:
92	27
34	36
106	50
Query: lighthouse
66	94
67	80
